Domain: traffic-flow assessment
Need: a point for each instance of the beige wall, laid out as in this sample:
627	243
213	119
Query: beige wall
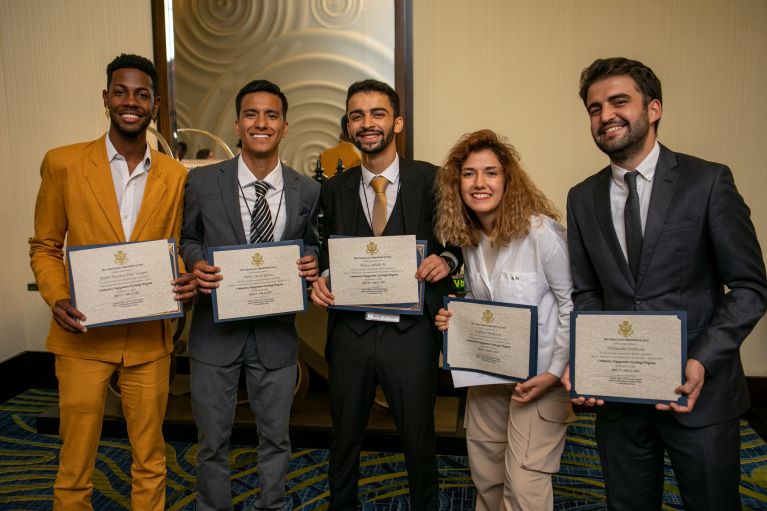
53	56
504	64
513	66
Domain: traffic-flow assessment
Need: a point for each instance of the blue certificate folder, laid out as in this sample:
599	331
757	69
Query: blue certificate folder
173	260
532	367
415	309
624	330
254	246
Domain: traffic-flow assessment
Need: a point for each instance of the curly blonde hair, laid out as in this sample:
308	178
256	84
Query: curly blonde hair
457	224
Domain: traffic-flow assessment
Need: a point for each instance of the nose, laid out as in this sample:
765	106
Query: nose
607	114
479	180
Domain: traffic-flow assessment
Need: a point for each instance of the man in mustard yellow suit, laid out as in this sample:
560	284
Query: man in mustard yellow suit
111	190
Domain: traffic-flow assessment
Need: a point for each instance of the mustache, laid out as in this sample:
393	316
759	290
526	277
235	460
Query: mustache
610	125
361	133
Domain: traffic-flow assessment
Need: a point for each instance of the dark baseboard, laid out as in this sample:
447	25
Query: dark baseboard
30	369
757	387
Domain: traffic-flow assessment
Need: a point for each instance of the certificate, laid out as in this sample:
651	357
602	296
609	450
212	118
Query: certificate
634	357
377	274
258	280
124	282
491	338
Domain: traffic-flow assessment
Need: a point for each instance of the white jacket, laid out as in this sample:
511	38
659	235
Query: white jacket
534	270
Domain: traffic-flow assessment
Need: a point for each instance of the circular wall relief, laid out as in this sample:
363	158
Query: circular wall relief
335	13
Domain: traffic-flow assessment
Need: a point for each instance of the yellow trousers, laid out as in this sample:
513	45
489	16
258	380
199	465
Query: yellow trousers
82	392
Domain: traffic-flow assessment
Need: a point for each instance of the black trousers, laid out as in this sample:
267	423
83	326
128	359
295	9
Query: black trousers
706	460
405	365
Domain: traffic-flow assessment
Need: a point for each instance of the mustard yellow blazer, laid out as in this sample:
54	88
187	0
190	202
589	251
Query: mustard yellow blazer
77	204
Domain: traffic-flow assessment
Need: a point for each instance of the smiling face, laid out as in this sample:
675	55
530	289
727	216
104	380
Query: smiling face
131	102
372	124
482	186
261	125
620	120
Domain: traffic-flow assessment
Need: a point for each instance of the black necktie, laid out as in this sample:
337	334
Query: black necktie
633	223
261	228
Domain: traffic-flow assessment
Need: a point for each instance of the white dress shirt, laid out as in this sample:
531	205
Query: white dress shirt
129	187
275	198
619	192
534	270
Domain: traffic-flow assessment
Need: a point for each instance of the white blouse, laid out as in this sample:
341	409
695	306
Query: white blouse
534	270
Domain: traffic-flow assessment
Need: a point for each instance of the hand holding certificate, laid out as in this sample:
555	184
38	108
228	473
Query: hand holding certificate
258	280
493	338
628	356
123	283
377	273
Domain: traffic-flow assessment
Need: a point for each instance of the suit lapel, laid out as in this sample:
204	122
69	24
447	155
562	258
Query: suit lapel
230	196
154	191
292	187
605	219
411	192
99	177
350	209
664	184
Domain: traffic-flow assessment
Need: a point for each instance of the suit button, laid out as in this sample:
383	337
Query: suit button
637	301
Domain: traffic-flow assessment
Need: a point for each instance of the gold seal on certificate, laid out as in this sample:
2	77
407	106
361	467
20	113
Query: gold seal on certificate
628	356
373	273
492	338
259	280
123	283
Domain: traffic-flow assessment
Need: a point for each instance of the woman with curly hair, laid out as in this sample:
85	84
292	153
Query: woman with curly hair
515	252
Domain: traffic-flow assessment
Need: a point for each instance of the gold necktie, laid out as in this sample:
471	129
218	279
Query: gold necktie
379	184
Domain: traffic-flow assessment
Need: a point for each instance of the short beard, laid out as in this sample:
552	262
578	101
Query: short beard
133	133
631	145
387	138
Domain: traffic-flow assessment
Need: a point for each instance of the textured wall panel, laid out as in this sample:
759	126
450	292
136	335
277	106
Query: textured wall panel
312	49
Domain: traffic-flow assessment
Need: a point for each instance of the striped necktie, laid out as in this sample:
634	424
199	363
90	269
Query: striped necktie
261	228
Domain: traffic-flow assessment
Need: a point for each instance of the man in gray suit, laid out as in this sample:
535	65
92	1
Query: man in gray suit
222	207
658	230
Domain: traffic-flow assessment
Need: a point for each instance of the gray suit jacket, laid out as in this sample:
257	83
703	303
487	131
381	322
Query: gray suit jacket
698	239
212	219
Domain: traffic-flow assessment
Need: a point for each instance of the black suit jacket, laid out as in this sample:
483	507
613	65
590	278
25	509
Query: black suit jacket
341	207
212	219
698	238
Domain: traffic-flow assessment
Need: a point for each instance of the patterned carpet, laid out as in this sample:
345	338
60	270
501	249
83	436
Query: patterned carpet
28	464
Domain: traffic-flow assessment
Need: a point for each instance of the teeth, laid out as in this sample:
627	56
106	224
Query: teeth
612	128
481	195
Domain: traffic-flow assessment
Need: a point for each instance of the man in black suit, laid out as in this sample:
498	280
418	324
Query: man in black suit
247	199
670	236
397	352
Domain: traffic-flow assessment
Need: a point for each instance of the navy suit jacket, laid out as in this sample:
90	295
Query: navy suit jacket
212	219
341	207
698	239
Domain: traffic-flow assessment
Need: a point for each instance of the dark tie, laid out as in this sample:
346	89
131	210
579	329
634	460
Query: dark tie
633	223
261	228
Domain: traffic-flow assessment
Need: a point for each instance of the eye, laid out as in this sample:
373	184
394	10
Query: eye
271	116
594	111
466	173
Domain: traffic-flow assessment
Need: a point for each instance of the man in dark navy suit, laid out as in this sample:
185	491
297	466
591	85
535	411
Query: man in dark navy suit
387	195
659	231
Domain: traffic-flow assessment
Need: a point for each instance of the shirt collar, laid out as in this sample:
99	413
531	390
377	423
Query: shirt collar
112	154
246	177
391	173
646	167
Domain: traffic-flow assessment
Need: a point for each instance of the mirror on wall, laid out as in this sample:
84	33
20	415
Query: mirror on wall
312	49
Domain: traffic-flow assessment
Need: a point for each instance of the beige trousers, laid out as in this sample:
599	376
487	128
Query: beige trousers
514	448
